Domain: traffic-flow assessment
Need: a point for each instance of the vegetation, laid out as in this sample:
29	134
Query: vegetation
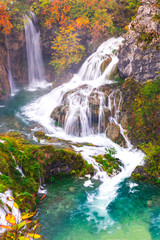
74	22
25	229
5	24
151	169
143	106
37	162
108	162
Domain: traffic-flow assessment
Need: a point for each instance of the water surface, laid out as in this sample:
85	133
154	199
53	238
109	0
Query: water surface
133	215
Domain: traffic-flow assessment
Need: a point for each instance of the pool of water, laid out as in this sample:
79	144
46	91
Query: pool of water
11	117
72	211
133	215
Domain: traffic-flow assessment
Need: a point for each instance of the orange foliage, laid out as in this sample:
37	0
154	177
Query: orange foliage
5	24
71	18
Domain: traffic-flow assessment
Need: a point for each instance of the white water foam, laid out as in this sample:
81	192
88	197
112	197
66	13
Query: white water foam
34	54
91	77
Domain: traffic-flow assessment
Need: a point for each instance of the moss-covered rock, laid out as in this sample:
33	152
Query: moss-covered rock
151	169
37	162
108	162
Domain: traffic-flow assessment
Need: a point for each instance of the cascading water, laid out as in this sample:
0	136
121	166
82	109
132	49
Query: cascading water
10	78
73	98
34	55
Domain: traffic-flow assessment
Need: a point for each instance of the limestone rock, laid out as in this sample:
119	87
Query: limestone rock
139	57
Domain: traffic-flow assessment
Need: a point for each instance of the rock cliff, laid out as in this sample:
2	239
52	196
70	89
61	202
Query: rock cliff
4	83
139	57
12	49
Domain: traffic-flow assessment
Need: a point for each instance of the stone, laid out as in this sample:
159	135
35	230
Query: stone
124	121
113	131
105	64
139	55
71	189
149	203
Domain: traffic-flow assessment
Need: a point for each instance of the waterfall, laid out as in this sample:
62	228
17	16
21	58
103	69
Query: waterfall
81	106
34	54
10	78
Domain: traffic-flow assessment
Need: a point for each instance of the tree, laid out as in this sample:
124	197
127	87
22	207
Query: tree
5	24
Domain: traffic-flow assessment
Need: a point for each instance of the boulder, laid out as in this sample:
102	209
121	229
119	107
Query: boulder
113	132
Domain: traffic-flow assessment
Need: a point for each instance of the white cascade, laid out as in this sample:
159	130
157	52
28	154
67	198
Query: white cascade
114	105
77	92
34	54
10	78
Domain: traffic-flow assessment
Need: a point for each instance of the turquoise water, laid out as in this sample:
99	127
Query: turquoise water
133	215
65	213
11	117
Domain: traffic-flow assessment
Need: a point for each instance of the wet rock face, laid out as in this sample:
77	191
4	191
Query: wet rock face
113	132
99	107
94	106
13	49
4	83
16	46
139	56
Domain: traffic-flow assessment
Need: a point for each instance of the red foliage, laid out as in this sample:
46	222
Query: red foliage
5	24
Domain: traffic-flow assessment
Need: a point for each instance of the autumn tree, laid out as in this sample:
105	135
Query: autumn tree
5	24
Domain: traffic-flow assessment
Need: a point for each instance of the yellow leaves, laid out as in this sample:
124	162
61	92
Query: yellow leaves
126	28
22	224
82	22
27	215
68	49
34	235
10	219
23	238
6	227
15	205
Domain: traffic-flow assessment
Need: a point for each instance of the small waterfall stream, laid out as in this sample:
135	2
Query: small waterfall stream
34	54
73	98
10	78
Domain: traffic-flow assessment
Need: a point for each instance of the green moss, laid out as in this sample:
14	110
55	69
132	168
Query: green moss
108	162
151	170
41	135
142	104
118	81
35	162
147	37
